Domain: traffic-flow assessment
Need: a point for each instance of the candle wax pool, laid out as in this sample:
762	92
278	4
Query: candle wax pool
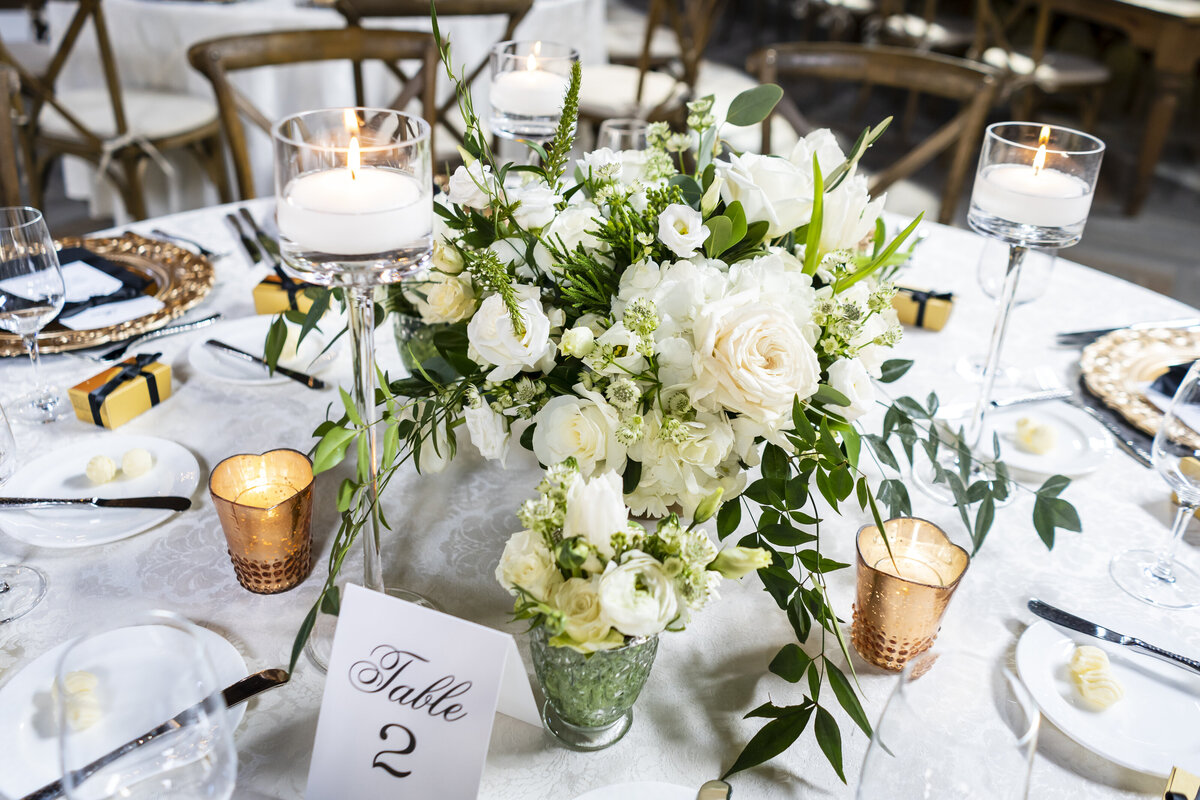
910	569
529	92
1046	198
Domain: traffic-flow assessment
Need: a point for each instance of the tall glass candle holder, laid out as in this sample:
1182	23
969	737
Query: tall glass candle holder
1033	188
529	83
354	203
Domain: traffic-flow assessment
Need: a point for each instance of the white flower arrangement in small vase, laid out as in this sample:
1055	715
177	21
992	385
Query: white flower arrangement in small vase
598	589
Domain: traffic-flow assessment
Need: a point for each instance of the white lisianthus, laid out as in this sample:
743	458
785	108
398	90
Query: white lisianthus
577	342
625	166
595	511
510	251
529	564
623	343
535	205
770	189
735	562
824	144
849	376
444	298
489	432
446	257
470	186
681	228
493	340
584	619
849	215
583	427
637	596
573	226
752	359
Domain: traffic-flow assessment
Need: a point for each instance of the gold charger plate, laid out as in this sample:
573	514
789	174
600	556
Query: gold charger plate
1118	365
181	280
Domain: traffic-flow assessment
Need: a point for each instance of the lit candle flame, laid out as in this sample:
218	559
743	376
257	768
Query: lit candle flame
531	63
1044	136
353	159
1039	161
351	119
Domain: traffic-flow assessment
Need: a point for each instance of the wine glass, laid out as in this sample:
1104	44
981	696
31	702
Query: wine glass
129	680
957	727
21	587
1155	576
31	294
622	133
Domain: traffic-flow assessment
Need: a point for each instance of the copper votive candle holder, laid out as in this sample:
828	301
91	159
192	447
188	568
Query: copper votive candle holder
265	506
902	594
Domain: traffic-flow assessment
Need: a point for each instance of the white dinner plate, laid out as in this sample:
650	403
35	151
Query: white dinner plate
1081	443
641	790
249	334
1154	727
29	758
62	473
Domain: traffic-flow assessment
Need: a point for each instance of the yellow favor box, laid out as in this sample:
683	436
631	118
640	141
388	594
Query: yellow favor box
271	297
923	308
117	395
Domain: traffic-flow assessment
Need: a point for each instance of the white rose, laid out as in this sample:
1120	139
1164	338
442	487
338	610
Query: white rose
770	189
446	257
493	340
584	619
574	226
584	428
753	359
578	342
825	145
535	205
849	215
470	186
444	298
528	563
596	510
489	432
849	376
637	596
682	229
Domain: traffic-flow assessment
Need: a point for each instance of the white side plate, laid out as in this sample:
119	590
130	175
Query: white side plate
641	790
248	334
1082	443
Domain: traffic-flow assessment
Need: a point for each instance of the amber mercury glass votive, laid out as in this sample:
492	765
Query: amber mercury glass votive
903	594
265	505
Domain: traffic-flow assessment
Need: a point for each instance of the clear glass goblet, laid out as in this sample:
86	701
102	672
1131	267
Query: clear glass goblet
1156	576
622	133
21	587
31	295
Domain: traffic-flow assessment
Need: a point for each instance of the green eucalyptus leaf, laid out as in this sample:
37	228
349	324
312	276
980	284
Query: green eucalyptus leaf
273	346
728	518
827	395
351	409
784	534
310	619
799	617
893	369
719	231
331	601
345	494
790	663
882	451
331	450
737	217
775	465
754	105
689	188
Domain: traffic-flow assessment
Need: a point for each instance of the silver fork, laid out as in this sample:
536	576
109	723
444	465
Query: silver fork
201	249
118	352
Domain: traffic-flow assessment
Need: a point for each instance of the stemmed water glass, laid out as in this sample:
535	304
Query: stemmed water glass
622	133
31	295
1155	576
21	587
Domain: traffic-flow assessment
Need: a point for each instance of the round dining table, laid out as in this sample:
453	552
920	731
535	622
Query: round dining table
449	529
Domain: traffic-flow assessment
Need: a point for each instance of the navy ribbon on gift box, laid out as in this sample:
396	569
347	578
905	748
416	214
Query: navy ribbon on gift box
129	370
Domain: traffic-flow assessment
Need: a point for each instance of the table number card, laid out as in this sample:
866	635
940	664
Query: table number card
409	701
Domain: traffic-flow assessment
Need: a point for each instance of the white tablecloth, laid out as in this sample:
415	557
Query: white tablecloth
688	724
151	39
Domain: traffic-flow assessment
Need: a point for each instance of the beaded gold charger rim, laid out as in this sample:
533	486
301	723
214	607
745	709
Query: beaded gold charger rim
182	279
1118	364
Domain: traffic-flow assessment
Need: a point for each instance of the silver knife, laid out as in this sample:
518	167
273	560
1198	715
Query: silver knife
1077	338
248	246
296	375
1132	448
169	503
233	694
961	409
714	790
1060	617
170	330
268	245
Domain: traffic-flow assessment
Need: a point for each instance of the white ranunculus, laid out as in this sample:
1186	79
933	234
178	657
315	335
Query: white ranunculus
825	145
596	510
637	596
752	358
577	342
583	427
528	563
769	188
584	619
849	376
493	341
446	257
682	229
535	205
470	186
849	215
444	298
489	432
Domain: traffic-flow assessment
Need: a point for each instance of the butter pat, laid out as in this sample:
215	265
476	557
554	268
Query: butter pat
1035	438
78	695
1093	677
101	469
137	461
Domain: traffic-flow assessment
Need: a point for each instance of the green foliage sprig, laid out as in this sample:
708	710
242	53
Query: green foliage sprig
559	149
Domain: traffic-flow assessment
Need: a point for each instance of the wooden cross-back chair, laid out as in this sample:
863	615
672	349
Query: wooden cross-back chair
513	11
118	130
972	85
10	176
216	58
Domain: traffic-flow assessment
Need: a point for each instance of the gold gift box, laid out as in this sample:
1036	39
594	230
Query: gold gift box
117	395
270	296
923	308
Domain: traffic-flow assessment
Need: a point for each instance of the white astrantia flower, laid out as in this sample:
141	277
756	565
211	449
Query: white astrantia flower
770	189
637	596
493	341
681	228
444	298
584	619
470	186
527	562
583	427
595	511
489	432
535	204
849	376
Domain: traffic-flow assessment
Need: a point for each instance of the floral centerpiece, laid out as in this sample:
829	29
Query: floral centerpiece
598	589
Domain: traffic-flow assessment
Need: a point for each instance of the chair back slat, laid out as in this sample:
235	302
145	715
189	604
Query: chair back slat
10	178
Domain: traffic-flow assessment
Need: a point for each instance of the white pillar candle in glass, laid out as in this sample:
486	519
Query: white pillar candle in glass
530	92
529	82
1029	196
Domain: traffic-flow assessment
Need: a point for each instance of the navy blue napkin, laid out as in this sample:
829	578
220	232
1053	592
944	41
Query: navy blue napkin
133	284
1169	382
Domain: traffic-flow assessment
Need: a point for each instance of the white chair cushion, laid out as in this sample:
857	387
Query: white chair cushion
1057	69
154	115
725	83
859	7
610	90
626	29
941	34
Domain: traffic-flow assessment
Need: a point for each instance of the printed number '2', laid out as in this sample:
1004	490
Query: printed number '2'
381	758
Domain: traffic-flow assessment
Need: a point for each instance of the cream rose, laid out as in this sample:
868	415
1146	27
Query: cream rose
578	342
582	427
489	432
529	564
637	596
446	257
682	230
470	186
596	510
753	359
584	619
769	188
493	340
849	376
444	298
